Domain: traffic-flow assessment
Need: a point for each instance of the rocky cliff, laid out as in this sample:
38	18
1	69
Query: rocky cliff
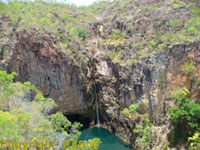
133	53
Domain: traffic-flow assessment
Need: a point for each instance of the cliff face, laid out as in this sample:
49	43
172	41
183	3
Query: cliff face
35	58
133	55
142	83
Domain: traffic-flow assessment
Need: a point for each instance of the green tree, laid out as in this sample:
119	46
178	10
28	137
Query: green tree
60	123
186	115
7	89
9	129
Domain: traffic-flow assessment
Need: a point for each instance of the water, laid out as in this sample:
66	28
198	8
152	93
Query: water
97	112
109	140
97	108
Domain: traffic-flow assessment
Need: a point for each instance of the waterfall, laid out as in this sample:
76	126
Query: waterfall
97	108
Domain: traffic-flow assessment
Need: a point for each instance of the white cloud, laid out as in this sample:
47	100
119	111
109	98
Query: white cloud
82	2
76	2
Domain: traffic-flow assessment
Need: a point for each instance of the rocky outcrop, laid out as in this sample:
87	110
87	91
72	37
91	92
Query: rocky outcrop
149	82
35	58
145	32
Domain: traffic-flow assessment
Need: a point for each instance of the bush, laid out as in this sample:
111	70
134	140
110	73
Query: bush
132	109
193	25
196	11
27	119
81	33
143	130
186	115
116	34
60	122
175	23
188	68
162	79
45	21
133	61
9	129
195	141
78	31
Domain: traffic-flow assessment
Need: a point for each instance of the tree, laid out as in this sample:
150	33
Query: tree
60	123
9	129
7	89
184	117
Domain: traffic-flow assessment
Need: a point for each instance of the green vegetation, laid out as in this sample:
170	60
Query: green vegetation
132	109
72	26
114	55
153	43
197	82
143	130
78	31
162	80
184	117
24	119
196	10
68	23
8	126
116	34
133	61
193	25
195	141
175	23
137	45
115	38
188	68
43	16
4	53
176	5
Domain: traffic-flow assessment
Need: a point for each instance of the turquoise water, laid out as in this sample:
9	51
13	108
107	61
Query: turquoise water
109	140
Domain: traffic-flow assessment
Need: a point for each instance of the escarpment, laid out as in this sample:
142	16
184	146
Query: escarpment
133	55
35	58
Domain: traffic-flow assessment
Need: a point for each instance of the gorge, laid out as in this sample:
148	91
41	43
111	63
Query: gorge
98	61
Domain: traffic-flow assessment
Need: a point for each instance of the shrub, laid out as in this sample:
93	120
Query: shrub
176	5
1	34
143	130
196	11
78	31
186	115
195	141
162	79
153	43
5	53
63	38
175	23
8	126
60	122
193	25
197	82
82	33
188	68
116	34
133	61
138	45
27	119
132	109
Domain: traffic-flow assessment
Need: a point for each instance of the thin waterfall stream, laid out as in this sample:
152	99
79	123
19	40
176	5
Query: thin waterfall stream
108	140
97	107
